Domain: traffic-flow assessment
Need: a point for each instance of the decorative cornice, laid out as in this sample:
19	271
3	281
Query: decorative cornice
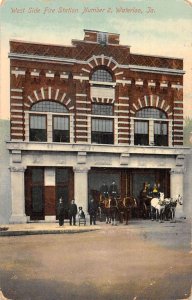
70	61
81	169
177	171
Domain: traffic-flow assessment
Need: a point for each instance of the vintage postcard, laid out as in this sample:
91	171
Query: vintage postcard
96	156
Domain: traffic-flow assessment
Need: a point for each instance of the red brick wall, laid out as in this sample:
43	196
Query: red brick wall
24	84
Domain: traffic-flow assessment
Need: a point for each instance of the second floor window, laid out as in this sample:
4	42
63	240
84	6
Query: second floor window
151	127
102	131
160	133
49	120
60	129
141	132
38	128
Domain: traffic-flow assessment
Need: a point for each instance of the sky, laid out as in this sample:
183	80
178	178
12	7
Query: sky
153	27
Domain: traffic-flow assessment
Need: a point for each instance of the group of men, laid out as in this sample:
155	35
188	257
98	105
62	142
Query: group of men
72	212
148	192
112	191
92	209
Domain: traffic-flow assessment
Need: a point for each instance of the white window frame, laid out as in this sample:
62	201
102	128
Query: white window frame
49	116
151	130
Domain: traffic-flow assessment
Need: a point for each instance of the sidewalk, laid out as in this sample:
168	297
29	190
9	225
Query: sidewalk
43	228
139	225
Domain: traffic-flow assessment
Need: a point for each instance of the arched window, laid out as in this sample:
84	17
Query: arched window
151	127
101	75
48	122
49	106
151	113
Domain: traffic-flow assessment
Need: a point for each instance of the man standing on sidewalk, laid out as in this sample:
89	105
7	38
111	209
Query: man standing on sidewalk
60	211
93	211
72	212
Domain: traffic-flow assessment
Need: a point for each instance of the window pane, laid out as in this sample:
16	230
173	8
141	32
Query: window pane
160	128
38	131
61	129
102	125
49	106
102	137
38	122
141	127
141	135
151	113
102	37
161	133
62	176
101	75
37	175
61	123
102	131
102	109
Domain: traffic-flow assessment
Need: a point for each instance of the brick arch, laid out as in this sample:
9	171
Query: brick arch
100	61
151	101
49	93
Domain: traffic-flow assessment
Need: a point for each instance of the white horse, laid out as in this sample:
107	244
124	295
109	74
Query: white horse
158	204
171	205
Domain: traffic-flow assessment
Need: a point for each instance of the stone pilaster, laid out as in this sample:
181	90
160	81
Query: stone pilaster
81	186
176	178
18	195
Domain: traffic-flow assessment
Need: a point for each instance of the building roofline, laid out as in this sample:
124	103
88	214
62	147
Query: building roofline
101	31
88	42
153	55
108	44
39	43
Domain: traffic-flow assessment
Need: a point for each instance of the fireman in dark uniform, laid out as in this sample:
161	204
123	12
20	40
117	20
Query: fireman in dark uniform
72	212
93	212
60	211
113	190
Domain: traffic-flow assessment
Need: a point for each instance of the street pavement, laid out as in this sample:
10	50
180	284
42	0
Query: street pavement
142	261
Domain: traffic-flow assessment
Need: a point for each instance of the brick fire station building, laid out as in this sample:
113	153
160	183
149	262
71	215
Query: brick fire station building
90	113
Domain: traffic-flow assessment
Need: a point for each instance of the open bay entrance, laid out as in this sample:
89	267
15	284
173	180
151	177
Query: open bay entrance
129	182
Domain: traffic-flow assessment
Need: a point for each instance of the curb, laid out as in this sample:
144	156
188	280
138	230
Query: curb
39	232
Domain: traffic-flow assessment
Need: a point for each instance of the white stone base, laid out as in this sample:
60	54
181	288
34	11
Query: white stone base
50	218
17	219
28	219
179	213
